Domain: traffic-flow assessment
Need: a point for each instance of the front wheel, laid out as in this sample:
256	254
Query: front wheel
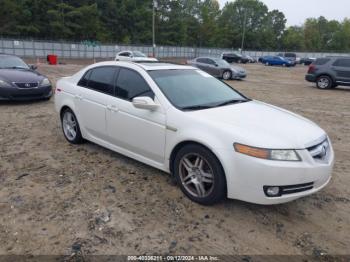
324	82
70	127
200	175
227	75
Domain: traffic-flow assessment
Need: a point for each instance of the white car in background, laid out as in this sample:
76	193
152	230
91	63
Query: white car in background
215	141
133	56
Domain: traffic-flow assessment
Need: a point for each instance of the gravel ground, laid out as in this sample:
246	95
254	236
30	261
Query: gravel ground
56	198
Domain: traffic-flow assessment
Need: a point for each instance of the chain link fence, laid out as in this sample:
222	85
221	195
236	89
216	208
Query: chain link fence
92	50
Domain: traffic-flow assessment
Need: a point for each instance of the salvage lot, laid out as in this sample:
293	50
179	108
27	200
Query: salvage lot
56	198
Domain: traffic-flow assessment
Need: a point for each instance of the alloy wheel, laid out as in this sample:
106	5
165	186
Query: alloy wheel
196	175
70	127
323	82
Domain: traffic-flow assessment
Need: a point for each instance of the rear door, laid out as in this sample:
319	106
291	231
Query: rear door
342	69
125	56
96	88
202	64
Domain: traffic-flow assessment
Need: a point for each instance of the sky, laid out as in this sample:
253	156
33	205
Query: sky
296	11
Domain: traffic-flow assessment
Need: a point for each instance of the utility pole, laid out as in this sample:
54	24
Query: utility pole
244	26
153	27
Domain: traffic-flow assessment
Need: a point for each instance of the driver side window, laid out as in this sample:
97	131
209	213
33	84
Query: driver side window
131	84
127	54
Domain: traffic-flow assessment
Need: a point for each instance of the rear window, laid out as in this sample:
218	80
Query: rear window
321	61
290	55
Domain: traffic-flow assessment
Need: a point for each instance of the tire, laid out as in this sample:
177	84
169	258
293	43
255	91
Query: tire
200	175
226	75
324	82
70	127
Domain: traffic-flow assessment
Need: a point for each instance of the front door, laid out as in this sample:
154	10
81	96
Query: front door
139	131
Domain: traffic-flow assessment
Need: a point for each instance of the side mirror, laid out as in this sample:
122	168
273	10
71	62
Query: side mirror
33	67
144	102
216	65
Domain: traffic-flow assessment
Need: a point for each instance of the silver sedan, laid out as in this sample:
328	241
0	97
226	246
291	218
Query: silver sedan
218	67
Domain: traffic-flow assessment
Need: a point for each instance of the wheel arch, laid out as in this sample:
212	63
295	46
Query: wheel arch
184	143
326	74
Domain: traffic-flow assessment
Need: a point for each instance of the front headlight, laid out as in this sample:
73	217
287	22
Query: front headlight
4	84
270	154
45	82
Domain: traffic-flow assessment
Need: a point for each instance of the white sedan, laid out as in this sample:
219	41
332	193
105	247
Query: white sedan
134	56
216	142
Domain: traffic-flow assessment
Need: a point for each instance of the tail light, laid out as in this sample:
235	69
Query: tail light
312	69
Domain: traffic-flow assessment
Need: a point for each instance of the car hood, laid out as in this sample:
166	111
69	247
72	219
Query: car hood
261	125
20	75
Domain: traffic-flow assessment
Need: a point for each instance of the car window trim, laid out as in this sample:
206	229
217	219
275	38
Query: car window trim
116	86
99	91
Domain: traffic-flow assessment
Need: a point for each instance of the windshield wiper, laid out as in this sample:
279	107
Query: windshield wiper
198	107
14	67
231	102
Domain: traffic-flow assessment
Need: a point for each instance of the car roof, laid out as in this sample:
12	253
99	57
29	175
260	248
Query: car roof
3	54
148	66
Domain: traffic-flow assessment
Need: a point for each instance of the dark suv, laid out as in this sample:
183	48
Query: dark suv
234	58
329	72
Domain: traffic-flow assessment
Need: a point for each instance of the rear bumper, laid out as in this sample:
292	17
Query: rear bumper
310	78
23	94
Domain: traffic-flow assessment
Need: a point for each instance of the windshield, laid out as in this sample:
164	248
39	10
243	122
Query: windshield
12	62
194	89
222	62
138	54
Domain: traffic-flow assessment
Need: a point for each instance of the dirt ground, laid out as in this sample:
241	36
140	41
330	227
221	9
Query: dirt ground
56	198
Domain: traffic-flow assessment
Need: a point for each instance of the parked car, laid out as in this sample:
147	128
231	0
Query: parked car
19	81
276	60
133	56
218	67
290	56
234	58
329	72
250	59
215	141
307	60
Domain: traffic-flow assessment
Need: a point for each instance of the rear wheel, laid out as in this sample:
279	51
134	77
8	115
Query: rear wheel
70	127
324	82
200	175
226	75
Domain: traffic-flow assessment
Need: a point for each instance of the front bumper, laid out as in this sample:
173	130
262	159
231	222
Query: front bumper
21	94
247	176
239	75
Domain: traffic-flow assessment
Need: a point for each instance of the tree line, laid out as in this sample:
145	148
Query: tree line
200	23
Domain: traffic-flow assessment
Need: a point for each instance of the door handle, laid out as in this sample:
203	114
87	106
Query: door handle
79	97
112	108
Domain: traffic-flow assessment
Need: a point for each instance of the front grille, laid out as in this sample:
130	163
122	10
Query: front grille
320	151
27	85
